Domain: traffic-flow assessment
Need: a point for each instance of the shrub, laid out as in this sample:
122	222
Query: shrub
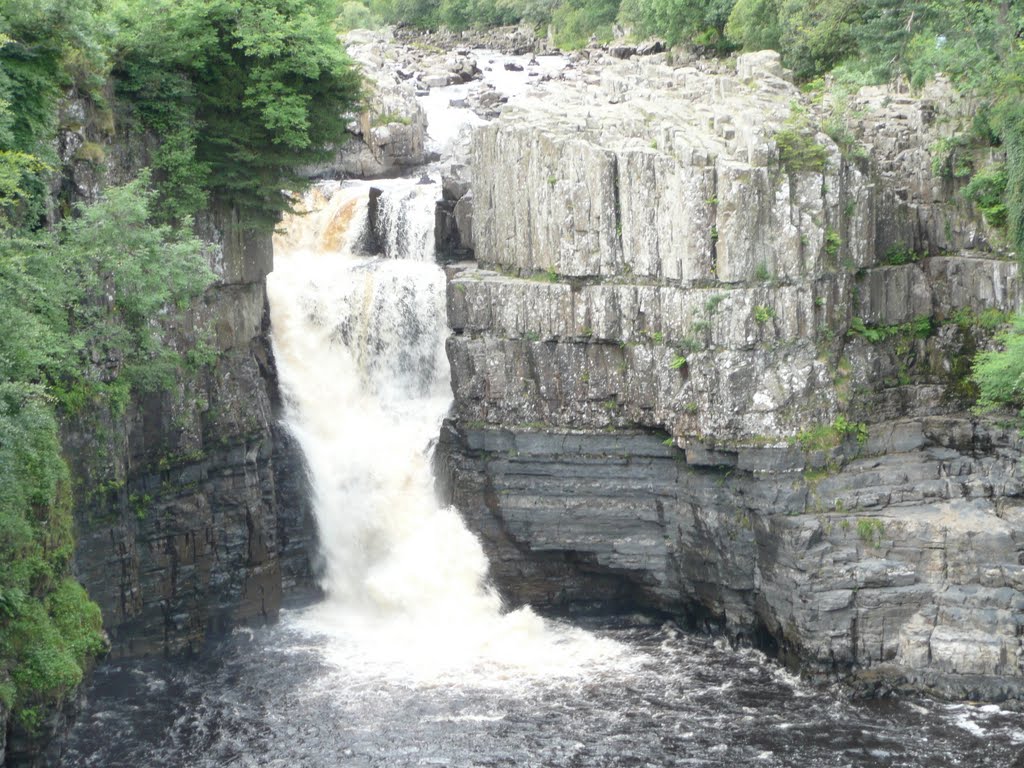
999	374
987	190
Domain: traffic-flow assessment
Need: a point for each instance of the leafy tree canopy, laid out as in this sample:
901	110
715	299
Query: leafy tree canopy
242	92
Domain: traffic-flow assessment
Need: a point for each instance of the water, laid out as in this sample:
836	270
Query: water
410	660
273	698
359	343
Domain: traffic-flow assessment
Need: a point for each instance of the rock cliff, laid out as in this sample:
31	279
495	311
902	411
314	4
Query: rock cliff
190	516
712	362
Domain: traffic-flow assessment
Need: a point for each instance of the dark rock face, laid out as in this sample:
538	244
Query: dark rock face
905	562
183	530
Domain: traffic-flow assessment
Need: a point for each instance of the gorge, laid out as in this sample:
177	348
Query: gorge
664	360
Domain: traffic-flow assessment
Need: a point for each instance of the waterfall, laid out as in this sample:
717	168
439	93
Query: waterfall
359	343
405	220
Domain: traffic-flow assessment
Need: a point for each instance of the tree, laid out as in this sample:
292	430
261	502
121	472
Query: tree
700	21
817	34
241	93
754	25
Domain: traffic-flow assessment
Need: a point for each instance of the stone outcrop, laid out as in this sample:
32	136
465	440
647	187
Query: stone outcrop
713	363
191	509
182	530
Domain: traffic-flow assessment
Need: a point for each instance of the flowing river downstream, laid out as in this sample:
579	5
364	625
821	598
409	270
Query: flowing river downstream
410	660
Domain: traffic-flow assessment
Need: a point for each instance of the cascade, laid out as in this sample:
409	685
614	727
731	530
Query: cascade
359	343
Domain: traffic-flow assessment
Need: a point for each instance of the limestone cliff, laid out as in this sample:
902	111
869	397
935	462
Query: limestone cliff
711	362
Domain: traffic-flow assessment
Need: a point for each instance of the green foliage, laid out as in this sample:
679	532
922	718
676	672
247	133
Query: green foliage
37	37
900	254
988	319
711	305
356	15
870	530
833	242
846	428
815	35
1013	140
919	328
824	437
574	21
754	25
22	189
388	118
820	437
987	190
798	149
763	314
550	275
951	157
883	31
677	362
48	644
48	627
241	93
999	374
698	21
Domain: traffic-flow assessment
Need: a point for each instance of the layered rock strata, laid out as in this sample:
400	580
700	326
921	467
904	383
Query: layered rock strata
190	509
183	528
711	363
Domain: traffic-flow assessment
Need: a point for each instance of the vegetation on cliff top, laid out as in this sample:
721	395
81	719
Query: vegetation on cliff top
233	96
242	93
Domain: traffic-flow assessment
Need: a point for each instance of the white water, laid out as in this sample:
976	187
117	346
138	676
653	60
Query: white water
359	343
406	215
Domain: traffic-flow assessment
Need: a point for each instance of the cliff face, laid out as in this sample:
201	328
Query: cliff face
184	532
190	510
710	362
